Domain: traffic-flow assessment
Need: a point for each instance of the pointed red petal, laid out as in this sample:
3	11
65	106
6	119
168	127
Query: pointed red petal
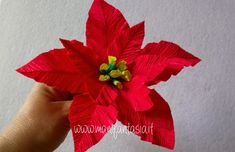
103	25
136	38
127	45
86	120
54	68
156	123
85	54
136	94
161	60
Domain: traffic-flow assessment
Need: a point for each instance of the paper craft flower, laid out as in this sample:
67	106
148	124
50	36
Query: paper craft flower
109	78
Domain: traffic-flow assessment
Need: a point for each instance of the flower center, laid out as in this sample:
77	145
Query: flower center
114	72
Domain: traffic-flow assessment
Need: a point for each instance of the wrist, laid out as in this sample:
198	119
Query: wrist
12	139
20	136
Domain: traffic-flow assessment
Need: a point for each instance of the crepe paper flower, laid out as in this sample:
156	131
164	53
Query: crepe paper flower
109	78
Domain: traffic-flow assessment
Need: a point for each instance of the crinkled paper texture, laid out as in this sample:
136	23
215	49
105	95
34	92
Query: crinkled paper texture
74	68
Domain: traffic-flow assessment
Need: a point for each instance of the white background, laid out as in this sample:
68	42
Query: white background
201	98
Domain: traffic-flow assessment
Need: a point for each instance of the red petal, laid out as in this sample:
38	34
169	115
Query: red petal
103	25
55	68
127	45
161	60
136	94
135	40
85	54
85	113
73	69
158	120
107	95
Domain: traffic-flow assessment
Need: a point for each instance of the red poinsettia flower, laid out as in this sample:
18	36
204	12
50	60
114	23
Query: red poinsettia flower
109	77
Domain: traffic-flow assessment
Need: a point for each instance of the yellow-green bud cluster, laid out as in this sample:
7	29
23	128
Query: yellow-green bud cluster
115	73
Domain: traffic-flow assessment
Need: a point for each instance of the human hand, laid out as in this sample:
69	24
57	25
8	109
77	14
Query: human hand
41	124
